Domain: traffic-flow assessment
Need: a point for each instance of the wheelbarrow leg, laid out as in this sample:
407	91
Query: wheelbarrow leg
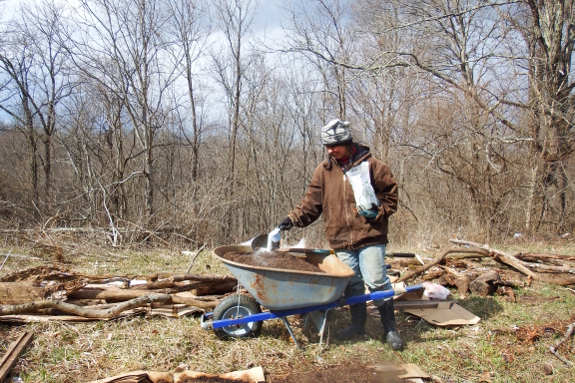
319	319
284	319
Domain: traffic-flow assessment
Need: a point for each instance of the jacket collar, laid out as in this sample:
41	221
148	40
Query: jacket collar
362	153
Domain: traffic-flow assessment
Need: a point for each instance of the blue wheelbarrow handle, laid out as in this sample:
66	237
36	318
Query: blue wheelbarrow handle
304	250
303	310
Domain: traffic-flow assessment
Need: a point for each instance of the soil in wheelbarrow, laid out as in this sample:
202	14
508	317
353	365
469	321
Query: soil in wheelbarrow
355	372
275	259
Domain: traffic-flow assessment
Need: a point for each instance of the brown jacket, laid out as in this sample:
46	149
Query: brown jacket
330	194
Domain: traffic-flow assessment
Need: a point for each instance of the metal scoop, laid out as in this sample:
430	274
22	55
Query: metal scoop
269	242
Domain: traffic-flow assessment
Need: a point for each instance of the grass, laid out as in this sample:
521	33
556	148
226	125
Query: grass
511	341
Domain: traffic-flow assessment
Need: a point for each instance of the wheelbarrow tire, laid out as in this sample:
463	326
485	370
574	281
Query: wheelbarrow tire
235	306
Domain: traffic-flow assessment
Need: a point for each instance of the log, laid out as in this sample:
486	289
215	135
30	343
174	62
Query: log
485	284
121	295
114	295
462	282
436	261
549	268
14	293
516	264
509	283
433	275
85	311
526	256
191	277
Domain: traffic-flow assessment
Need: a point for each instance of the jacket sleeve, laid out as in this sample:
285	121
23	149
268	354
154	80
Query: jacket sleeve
310	207
385	187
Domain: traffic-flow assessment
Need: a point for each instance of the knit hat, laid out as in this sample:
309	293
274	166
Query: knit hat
336	132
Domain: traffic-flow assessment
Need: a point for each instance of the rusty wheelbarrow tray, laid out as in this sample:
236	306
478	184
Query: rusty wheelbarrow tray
284	293
280	289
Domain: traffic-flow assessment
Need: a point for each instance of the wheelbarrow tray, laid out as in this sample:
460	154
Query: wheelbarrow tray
282	289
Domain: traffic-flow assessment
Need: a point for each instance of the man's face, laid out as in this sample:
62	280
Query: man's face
338	151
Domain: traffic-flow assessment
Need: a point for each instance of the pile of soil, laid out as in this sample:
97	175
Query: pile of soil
275	259
350	372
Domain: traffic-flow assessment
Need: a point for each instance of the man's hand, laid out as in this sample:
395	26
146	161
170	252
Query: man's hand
285	224
370	213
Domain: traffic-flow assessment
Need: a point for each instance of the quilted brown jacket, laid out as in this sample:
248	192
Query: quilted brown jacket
330	193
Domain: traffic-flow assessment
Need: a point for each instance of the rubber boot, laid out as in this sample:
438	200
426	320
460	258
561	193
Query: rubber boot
358	318
387	316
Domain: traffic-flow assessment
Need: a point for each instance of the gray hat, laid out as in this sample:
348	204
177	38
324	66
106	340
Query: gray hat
336	132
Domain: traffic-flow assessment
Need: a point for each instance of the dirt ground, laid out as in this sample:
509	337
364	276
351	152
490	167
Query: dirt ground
275	259
355	372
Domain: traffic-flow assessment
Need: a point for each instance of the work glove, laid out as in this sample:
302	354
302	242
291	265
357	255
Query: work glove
370	213
285	224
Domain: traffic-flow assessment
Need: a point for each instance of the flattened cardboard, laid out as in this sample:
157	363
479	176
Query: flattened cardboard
416	295
401	370
253	375
413	371
446	314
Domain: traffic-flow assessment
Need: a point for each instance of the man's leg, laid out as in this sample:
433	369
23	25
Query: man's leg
354	287
374	272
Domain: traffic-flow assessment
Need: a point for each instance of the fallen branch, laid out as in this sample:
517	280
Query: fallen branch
84	311
515	263
549	268
194	256
436	261
567	335
526	256
5	259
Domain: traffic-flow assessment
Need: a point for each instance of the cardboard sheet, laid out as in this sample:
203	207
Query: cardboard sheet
252	375
401	370
446	314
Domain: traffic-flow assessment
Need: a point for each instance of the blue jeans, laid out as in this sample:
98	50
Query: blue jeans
368	264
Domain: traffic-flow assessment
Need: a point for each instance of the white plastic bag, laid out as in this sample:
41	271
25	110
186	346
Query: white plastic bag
435	291
360	181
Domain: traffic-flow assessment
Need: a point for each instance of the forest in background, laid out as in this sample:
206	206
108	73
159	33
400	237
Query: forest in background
173	120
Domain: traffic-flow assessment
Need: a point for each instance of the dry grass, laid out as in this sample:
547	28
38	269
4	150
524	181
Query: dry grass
511	341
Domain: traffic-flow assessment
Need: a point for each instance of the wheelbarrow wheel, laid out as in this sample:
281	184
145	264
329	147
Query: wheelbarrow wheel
233	307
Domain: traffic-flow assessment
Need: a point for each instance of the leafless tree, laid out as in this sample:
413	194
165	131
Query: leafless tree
38	74
234	17
124	47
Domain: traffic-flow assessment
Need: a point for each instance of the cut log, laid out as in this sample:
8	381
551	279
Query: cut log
15	293
433	275
462	282
485	284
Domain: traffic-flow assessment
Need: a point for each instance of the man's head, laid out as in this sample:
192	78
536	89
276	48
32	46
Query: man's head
336	132
337	139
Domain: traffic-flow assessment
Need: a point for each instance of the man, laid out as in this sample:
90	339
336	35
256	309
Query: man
358	234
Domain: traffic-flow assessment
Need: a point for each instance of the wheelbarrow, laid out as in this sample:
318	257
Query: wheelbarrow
284	293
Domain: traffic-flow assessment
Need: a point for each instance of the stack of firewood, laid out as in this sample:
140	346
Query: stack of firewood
46	292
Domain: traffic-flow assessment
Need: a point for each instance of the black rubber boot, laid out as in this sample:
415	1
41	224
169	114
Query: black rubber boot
358	318
387	316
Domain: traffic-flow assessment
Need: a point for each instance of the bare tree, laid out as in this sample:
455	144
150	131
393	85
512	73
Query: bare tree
235	17
37	69
124	47
548	32
191	26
